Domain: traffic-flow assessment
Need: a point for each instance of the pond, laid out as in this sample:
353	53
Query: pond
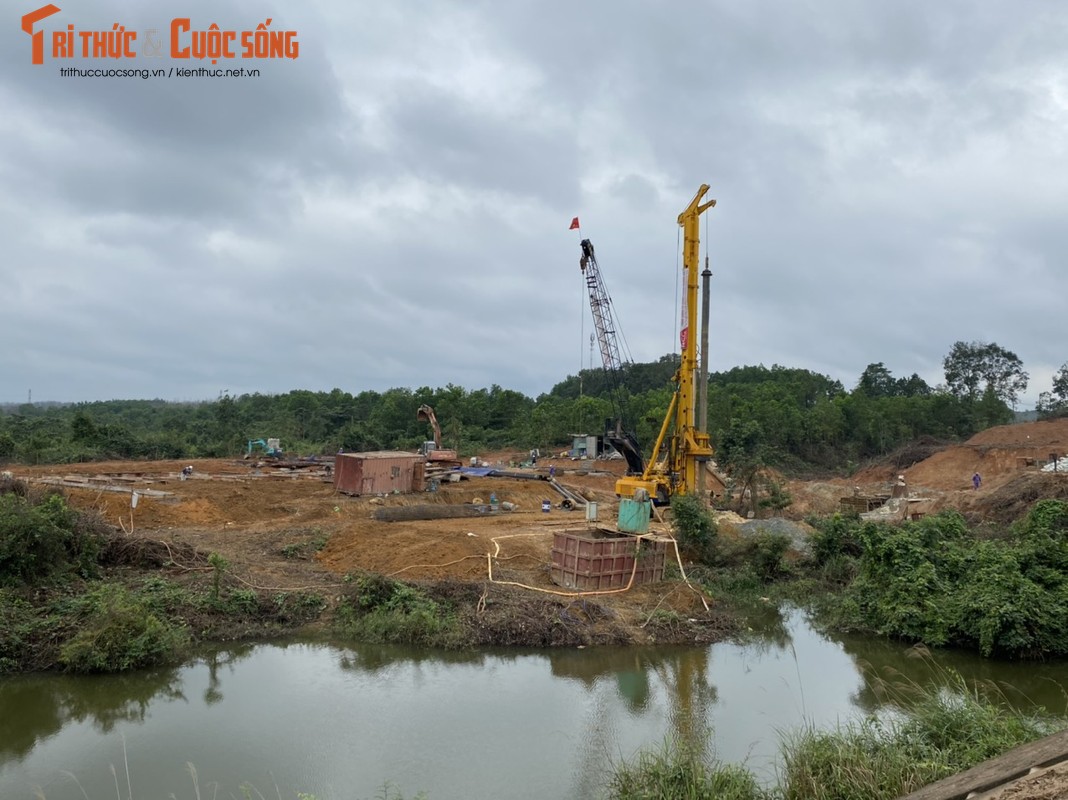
345	722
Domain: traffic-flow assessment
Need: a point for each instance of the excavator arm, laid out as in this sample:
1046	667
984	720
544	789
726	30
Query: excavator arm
426	413
438	454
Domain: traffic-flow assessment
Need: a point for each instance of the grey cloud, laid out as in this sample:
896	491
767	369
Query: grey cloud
392	207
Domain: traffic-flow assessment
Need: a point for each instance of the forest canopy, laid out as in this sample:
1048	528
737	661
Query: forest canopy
796	419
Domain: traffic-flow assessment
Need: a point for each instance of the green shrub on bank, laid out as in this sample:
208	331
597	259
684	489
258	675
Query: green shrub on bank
384	610
932	580
120	631
695	527
44	540
18	629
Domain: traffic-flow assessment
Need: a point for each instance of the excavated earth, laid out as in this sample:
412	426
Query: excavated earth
289	530
283	530
1009	458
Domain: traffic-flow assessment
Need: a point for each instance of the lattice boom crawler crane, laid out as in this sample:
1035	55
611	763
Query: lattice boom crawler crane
624	441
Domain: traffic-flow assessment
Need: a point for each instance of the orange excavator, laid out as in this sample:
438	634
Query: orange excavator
433	451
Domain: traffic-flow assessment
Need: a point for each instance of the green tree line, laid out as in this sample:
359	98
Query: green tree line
792	418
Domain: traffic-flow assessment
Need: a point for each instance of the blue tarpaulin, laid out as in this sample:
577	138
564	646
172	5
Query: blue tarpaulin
477	472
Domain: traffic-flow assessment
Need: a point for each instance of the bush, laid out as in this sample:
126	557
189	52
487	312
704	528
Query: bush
42	540
932	581
18	627
695	527
383	610
767	552
836	537
119	631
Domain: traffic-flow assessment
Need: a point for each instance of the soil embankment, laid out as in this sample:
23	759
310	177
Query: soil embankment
287	531
282	530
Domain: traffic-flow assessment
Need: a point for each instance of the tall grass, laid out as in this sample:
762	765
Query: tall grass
938	731
927	733
676	771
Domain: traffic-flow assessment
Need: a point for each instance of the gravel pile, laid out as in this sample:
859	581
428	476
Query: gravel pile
797	532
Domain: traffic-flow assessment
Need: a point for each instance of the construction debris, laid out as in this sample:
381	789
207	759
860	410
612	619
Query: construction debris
1057	465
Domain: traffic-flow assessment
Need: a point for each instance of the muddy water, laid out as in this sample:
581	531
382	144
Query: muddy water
345	722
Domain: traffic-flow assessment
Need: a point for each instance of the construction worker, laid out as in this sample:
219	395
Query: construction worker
977	481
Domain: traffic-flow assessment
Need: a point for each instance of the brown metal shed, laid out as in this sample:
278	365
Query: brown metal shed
380	472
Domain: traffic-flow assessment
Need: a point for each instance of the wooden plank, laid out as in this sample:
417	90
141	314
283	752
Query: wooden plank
93	487
997	771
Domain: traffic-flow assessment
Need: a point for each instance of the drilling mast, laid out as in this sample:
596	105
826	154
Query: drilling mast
686	448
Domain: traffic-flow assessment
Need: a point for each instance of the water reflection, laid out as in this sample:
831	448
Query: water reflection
488	723
34	708
217	661
891	669
682	675
373	658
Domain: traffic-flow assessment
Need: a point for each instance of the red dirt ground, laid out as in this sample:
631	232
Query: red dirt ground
1007	457
270	524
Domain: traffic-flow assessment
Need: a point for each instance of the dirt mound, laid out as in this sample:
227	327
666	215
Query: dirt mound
1009	458
997	454
1038	435
904	458
1012	500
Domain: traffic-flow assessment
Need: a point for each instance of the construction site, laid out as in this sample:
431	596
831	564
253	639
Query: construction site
575	548
589	521
519	529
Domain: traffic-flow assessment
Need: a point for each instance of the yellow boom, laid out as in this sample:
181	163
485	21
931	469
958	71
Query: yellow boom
687	448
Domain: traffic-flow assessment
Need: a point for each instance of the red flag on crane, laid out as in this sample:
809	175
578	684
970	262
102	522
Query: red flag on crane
574	224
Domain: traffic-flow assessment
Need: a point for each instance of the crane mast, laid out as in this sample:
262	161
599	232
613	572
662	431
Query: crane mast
686	448
625	442
601	306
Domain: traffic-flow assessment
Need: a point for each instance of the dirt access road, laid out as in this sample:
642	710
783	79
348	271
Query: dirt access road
282	530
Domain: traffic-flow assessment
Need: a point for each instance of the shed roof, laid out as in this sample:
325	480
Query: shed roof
383	454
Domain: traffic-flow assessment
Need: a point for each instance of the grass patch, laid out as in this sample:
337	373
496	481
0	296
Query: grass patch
307	548
383	610
678	772
112	626
935	731
117	631
943	730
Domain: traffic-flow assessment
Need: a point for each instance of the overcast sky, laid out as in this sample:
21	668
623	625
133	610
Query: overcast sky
391	208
